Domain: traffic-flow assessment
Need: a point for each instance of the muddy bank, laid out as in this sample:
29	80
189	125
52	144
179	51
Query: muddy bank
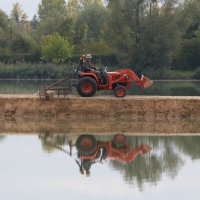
137	107
105	126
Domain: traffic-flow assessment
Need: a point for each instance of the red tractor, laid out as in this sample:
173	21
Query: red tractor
89	150
118	81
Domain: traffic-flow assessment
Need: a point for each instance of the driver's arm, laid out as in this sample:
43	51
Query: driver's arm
94	67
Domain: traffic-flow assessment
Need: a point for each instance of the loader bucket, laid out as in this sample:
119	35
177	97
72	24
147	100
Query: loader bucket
146	82
145	149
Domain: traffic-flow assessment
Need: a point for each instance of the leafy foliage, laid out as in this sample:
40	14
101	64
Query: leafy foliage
90	23
18	14
3	20
57	49
189	56
48	8
148	36
35	71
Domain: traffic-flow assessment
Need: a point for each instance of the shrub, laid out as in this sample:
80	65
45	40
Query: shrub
35	71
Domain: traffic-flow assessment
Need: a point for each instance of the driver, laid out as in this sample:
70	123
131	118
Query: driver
85	165
88	67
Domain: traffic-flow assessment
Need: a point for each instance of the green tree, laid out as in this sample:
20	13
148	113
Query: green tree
191	12
89	25
189	55
145	33
57	49
34	22
3	20
48	26
49	7
17	34
157	40
52	18
4	23
18	14
73	7
65	29
20	44
57	23
186	56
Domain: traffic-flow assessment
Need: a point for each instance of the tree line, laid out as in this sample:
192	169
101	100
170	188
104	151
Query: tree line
148	36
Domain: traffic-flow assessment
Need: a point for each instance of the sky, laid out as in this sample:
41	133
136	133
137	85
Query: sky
30	7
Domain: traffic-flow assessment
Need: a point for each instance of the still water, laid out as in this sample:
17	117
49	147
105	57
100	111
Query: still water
163	88
49	167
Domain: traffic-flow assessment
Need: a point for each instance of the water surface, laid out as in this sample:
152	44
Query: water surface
42	167
163	88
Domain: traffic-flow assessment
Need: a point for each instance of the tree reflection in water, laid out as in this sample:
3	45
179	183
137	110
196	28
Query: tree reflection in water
166	156
2	138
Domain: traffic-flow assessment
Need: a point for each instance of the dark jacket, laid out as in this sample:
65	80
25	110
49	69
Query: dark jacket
87	66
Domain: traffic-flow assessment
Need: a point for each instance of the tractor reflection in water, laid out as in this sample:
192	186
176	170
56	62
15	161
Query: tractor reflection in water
90	150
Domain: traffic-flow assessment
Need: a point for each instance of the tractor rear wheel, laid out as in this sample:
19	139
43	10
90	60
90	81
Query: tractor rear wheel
86	87
120	91
119	140
86	144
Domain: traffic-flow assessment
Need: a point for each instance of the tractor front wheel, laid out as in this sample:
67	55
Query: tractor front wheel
86	87
120	91
86	144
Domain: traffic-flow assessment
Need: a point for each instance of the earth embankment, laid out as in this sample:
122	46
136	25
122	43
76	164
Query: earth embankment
137	107
139	115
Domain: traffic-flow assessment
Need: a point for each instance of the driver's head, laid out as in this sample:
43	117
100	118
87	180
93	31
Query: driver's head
88	57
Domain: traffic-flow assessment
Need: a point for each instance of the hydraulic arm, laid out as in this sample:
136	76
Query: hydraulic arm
143	82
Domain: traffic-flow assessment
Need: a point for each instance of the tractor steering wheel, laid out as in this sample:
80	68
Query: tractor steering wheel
104	69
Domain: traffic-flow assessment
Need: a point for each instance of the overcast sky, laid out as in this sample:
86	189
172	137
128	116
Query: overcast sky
28	6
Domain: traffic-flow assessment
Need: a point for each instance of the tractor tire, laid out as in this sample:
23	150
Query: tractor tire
120	91
119	140
86	87
86	145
